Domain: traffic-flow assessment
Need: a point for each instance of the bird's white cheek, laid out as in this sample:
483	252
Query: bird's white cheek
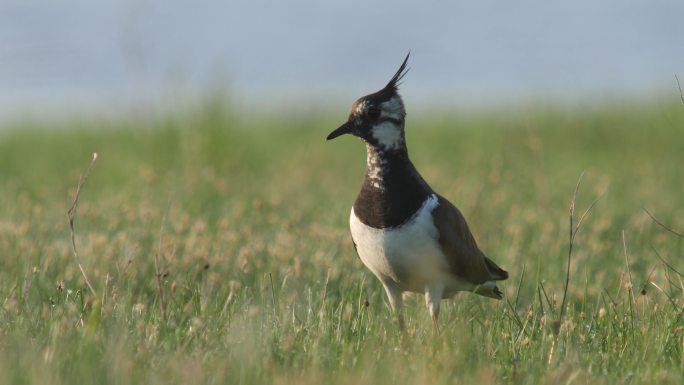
393	108
387	134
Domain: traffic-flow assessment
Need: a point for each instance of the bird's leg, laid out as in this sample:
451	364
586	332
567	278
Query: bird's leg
433	296
396	302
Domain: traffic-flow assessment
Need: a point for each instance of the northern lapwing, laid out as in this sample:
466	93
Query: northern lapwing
410	237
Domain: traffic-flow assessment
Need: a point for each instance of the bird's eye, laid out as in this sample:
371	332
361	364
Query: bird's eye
373	112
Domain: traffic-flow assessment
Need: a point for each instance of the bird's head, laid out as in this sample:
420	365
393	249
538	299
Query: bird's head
378	118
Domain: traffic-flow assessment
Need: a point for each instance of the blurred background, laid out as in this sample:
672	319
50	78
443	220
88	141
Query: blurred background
214	224
79	56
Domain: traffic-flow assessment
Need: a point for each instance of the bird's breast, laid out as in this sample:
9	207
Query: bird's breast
409	254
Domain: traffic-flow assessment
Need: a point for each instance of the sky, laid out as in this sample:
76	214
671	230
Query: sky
84	55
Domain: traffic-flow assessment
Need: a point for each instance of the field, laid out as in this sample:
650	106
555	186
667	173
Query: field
218	252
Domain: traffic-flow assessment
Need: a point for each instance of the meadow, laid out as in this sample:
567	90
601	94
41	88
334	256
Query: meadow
217	249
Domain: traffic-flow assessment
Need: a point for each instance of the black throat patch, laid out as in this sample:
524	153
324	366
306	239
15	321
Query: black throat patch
392	189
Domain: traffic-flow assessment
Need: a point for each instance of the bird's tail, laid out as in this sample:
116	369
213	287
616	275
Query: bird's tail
495	271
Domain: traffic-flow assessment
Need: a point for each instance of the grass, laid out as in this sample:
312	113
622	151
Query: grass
247	218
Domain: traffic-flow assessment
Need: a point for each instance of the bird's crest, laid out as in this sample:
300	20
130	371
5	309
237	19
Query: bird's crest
394	83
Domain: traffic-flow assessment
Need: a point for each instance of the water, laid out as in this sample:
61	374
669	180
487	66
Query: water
77	55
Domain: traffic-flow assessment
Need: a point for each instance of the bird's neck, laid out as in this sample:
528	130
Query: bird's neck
392	189
381	162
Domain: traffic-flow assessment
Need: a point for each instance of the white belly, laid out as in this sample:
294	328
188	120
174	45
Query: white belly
408	255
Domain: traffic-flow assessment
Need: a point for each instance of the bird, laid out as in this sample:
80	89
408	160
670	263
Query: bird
410	237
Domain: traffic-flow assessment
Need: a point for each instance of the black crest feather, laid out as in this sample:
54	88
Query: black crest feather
394	83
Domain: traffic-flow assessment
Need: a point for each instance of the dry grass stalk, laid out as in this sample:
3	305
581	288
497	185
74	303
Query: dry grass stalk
72	219
661	224
157	264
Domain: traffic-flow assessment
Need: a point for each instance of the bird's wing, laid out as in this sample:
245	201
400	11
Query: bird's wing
458	245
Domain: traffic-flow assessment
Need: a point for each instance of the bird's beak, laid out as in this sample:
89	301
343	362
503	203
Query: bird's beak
346	128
